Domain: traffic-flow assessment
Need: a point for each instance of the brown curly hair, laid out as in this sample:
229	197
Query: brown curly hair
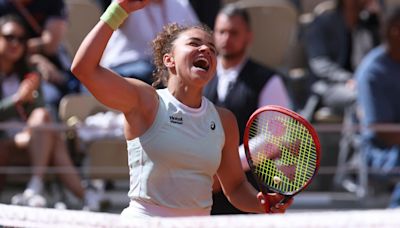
163	44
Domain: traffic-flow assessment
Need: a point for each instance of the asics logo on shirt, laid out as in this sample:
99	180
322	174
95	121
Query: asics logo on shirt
212	125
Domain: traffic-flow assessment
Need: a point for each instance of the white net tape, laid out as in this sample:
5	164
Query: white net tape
17	216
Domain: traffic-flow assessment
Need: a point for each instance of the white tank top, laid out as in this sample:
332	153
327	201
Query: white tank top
172	164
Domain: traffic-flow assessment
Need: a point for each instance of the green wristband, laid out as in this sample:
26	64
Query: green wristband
114	16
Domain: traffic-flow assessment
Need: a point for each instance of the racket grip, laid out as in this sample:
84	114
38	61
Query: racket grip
284	200
263	199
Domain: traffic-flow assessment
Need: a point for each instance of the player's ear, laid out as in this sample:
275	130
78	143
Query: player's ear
169	60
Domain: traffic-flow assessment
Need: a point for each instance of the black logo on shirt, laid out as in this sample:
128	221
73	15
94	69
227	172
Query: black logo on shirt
176	120
212	126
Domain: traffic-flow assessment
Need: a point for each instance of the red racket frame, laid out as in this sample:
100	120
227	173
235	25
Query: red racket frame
301	120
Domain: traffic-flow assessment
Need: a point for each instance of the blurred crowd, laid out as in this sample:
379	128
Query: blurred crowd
349	60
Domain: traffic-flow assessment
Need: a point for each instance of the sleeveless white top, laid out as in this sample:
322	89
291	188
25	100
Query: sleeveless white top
172	164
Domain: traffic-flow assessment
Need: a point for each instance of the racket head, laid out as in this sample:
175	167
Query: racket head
282	149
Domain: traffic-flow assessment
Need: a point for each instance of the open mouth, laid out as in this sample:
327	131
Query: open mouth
202	63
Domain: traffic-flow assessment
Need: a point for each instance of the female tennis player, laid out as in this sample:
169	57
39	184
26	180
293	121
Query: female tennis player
177	140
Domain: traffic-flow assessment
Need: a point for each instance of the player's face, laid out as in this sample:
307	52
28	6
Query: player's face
12	41
232	36
193	57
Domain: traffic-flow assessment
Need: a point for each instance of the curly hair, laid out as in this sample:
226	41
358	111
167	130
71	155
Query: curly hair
163	44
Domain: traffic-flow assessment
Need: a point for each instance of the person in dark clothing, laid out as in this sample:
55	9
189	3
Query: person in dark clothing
335	42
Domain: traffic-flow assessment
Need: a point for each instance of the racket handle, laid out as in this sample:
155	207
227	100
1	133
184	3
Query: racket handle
263	199
284	200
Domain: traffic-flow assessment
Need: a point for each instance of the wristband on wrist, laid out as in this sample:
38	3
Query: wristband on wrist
114	16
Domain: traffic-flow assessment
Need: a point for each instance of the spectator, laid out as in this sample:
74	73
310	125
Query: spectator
335	43
47	23
241	85
129	53
378	85
21	101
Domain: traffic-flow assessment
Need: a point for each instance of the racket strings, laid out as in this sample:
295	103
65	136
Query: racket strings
288	160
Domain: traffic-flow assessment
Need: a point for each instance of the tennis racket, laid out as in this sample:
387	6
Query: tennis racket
282	149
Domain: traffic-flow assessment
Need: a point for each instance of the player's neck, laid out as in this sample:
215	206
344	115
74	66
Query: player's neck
187	95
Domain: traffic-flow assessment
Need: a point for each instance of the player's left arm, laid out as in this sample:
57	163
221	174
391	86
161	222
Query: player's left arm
231	176
230	173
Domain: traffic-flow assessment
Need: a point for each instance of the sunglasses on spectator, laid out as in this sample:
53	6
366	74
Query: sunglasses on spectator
13	38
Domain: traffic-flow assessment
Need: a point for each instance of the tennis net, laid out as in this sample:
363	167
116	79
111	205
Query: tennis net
18	216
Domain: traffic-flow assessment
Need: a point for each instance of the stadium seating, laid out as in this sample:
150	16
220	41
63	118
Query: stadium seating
104	158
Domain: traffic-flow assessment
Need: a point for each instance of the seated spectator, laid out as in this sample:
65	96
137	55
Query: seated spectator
47	22
378	83
335	43
129	52
241	84
21	101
